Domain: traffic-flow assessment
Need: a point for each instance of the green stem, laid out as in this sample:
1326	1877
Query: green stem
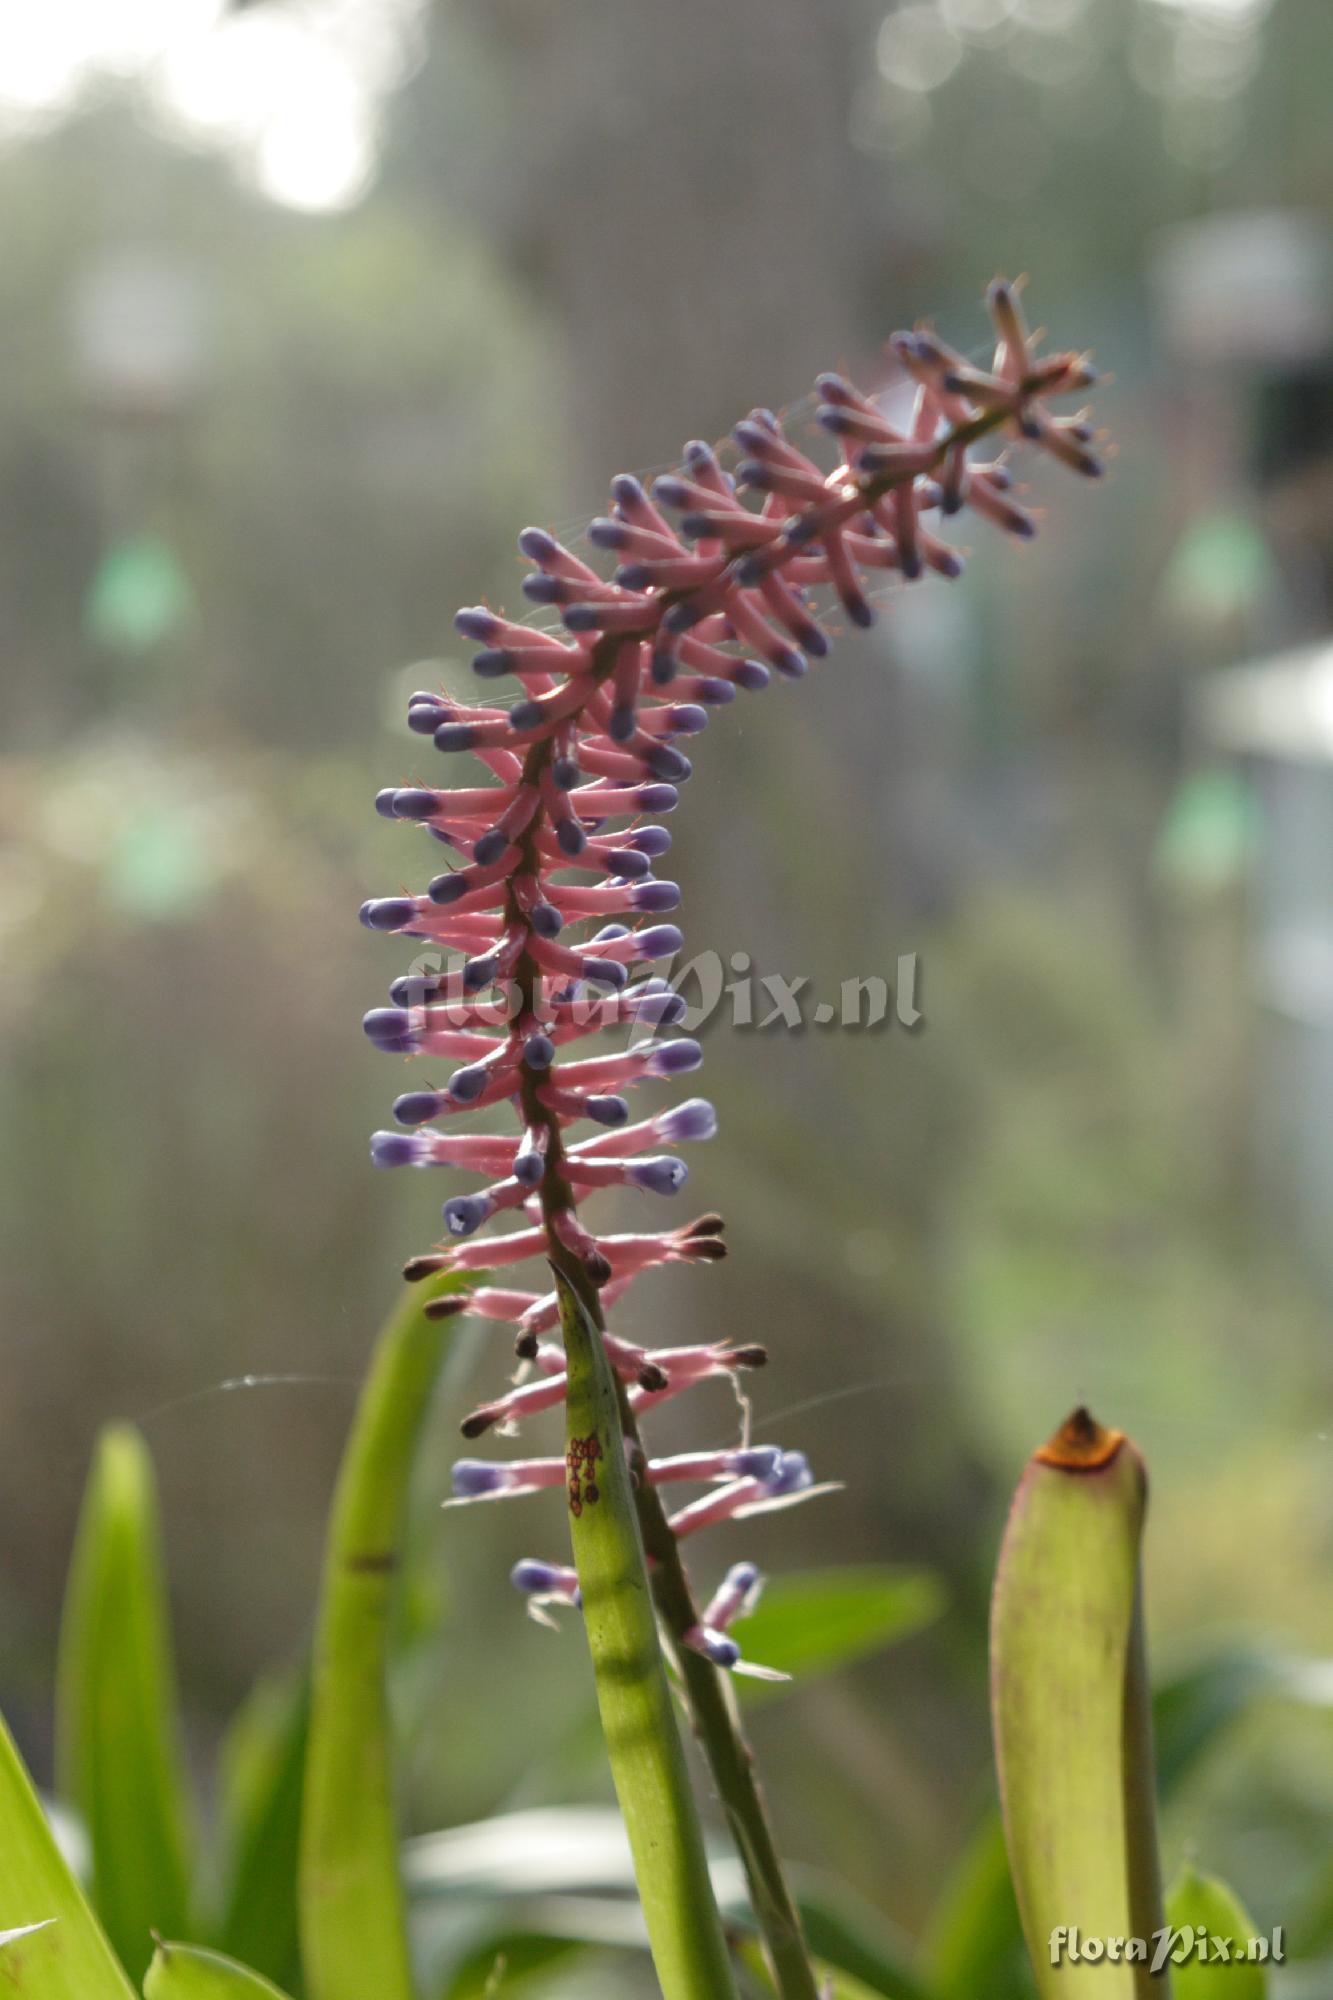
353	1915
633	1695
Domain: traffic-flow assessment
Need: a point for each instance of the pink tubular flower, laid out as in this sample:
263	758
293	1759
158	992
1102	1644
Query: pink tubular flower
549	901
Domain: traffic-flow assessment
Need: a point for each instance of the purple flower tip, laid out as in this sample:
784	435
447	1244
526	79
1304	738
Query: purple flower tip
479	973
743	1576
656	898
688	718
491	664
390	1029
760	1461
626	489
634	576
571	837
672	492
529	1168
720	1649
651	840
663	666
661	1174
388	913
474	621
394	1149
465	1085
413	989
489	846
466	1213
546	920
604	533
631	864
539	588
539	1051
605	972
659	1010
621	725
425	717
474	1476
525	715
564	774
657	798
659	941
716	691
384	805
792	1474
676	1058
445	889
607	1110
541	1579
695	1119
791	663
417	1107
665	762
537	545
455	736
414	802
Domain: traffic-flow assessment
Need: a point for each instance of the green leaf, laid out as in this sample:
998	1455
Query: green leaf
263	1773
188	1972
1073	1745
974	1943
52	1947
643	1742
118	1755
1201	1903
975	1936
508	1962
811	1622
353	1921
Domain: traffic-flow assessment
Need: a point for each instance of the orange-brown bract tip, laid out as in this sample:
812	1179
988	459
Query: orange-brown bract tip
446	1308
750	1357
705	1225
705	1249
1081	1444
525	1346
598	1267
417	1268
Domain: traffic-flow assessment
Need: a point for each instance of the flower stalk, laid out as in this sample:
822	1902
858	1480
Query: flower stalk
579	768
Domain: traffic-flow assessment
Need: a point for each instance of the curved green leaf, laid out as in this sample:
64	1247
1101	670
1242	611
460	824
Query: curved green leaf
263	1773
353	1921
809	1623
1073	1745
118	1754
187	1972
643	1742
1200	1903
52	1947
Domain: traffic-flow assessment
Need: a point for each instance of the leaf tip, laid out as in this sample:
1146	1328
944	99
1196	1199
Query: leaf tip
1081	1444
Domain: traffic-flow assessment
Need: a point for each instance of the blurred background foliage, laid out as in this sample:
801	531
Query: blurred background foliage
308	309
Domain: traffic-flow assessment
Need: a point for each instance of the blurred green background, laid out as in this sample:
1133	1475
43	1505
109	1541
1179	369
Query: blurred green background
307	309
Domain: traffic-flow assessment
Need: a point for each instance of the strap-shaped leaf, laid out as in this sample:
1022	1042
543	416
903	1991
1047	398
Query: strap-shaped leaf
353	1917
118	1754
52	1947
643	1741
1072	1726
1229	1959
187	1972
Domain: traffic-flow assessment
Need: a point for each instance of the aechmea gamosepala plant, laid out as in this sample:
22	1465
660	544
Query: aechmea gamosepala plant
720	577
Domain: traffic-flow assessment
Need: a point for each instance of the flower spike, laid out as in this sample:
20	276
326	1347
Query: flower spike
548	918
